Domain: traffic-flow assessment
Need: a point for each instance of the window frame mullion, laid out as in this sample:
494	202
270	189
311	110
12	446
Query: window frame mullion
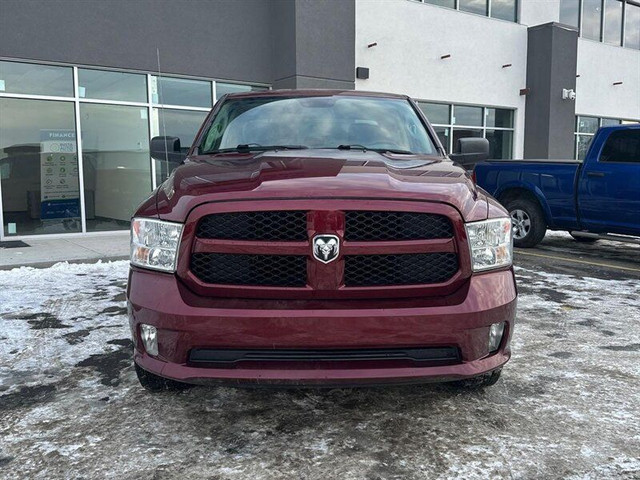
79	157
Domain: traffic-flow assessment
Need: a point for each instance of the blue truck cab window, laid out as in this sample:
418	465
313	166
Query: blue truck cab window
622	146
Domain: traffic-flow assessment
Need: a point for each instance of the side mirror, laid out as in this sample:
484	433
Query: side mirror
167	149
471	150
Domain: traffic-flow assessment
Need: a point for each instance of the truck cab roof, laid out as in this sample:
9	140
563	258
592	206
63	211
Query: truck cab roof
314	93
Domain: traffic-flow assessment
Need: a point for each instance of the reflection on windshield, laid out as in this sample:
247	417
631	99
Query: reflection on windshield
319	122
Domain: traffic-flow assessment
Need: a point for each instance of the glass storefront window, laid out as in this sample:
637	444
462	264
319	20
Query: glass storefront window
175	123
500	143
587	124
613	22
34	79
116	165
583	142
600	20
463	115
39	167
632	26
504	9
473	6
181	91
103	85
42	191
442	3
586	127
570	12
501	9
468	122
607	122
464	133
499	117
591	13
436	112
443	134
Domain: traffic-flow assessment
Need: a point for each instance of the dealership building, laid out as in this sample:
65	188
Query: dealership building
85	85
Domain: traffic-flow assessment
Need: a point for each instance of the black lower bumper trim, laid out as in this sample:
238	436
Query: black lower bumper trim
228	357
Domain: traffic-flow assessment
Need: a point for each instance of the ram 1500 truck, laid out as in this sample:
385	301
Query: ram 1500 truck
319	238
596	198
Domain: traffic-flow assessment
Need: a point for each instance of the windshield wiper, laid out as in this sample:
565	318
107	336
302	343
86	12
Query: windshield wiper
255	147
393	150
357	146
353	146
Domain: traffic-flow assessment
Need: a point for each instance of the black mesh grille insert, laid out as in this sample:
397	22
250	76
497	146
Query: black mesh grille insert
270	225
258	270
372	226
405	269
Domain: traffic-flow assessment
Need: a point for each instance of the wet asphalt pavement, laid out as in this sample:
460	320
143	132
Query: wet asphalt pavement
567	405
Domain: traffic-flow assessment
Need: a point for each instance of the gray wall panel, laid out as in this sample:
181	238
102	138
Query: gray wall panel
552	54
249	40
225	39
325	39
283	46
536	143
564	64
314	44
315	82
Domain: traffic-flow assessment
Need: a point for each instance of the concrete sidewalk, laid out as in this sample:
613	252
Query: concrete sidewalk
44	252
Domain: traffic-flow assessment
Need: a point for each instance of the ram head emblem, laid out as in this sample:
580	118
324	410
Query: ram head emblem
326	248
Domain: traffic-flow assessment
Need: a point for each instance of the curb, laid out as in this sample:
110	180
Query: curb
74	261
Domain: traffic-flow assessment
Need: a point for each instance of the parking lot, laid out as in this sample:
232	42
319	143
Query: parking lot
567	406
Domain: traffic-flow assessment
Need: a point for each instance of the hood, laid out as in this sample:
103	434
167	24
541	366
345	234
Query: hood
318	173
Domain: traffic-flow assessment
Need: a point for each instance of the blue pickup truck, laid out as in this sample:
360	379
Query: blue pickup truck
596	198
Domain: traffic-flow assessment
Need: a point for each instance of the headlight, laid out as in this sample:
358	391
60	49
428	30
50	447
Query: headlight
490	243
154	243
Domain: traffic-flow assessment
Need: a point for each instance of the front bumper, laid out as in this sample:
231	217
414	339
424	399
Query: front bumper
157	299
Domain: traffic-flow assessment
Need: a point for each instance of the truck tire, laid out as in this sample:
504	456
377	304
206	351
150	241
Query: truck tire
156	383
529	225
481	381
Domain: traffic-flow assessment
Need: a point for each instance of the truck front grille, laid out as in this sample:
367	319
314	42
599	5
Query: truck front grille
410	269
259	270
291	225
379	226
286	225
232	252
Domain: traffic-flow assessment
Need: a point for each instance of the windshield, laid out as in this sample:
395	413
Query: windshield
318	122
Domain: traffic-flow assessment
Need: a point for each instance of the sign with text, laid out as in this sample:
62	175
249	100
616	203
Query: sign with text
59	186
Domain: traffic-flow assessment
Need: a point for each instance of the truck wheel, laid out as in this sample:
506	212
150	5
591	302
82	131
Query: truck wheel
481	381
529	226
156	383
583	239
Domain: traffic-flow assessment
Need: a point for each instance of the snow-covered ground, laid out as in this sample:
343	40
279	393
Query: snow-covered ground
567	406
607	243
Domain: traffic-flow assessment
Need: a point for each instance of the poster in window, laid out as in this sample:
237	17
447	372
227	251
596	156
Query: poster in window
59	186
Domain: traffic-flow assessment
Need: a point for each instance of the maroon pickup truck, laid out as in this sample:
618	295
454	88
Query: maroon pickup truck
319	238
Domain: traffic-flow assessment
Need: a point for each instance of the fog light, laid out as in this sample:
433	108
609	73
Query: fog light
495	336
149	335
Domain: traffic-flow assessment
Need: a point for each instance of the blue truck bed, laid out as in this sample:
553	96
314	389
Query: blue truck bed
599	195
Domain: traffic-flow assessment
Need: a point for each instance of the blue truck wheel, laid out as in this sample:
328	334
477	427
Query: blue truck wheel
529	225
